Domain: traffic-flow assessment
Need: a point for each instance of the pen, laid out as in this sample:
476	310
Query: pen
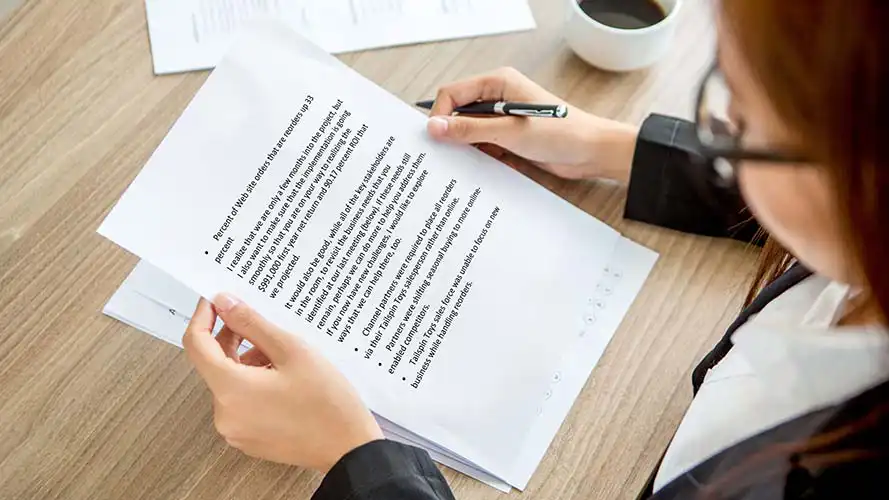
503	108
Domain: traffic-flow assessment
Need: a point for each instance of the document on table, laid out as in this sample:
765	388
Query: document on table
452	291
194	34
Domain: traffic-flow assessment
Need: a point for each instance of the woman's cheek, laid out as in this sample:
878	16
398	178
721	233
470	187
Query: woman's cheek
794	204
775	201
766	195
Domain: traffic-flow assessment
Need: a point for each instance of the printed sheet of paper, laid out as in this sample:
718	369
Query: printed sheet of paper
446	286
195	34
155	303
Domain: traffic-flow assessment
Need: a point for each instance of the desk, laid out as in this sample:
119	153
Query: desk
91	409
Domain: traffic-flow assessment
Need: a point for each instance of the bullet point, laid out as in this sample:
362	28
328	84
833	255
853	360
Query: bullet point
356	349
380	364
206	253
403	378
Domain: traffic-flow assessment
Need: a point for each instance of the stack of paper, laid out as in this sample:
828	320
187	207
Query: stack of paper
466	303
153	302
194	34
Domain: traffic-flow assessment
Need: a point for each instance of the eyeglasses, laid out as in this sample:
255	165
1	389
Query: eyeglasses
720	136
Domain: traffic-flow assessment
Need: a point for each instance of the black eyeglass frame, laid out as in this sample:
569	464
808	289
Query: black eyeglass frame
733	153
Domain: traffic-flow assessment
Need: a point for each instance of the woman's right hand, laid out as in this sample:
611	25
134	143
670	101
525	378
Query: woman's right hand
580	146
282	400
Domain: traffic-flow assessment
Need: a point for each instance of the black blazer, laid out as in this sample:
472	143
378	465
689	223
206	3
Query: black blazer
671	187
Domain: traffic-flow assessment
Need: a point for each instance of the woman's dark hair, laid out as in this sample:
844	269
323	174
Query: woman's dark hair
824	65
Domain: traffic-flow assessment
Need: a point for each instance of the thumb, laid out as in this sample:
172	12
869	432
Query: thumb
240	318
504	131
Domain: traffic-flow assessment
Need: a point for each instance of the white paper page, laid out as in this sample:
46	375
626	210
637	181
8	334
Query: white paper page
609	301
497	312
158	300
155	303
399	435
151	301
195	34
607	305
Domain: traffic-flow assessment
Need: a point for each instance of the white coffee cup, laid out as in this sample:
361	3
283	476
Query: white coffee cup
616	49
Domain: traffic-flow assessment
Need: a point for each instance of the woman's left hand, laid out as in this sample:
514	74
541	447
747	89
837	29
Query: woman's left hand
281	401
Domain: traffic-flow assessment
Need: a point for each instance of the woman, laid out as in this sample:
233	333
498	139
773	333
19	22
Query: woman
793	402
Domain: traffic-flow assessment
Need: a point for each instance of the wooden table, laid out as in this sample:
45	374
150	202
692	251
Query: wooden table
92	409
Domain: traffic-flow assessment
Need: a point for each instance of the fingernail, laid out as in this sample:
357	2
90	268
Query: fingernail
438	126
225	302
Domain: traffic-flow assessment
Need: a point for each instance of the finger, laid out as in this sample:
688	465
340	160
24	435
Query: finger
504	84
255	357
487	87
202	349
239	317
506	132
230	343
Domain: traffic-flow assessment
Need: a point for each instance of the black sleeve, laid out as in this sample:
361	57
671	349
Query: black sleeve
384	470
673	187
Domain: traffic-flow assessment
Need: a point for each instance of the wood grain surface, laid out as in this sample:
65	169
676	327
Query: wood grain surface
91	409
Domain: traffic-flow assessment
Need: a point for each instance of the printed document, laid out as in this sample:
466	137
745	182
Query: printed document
194	34
452	291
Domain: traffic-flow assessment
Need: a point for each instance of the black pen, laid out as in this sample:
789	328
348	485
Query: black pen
503	108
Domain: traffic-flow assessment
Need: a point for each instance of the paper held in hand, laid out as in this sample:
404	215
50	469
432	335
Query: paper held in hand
458	296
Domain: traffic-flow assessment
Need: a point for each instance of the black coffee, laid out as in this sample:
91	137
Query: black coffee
624	14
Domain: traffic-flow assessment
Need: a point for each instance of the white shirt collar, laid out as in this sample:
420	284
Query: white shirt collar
794	343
